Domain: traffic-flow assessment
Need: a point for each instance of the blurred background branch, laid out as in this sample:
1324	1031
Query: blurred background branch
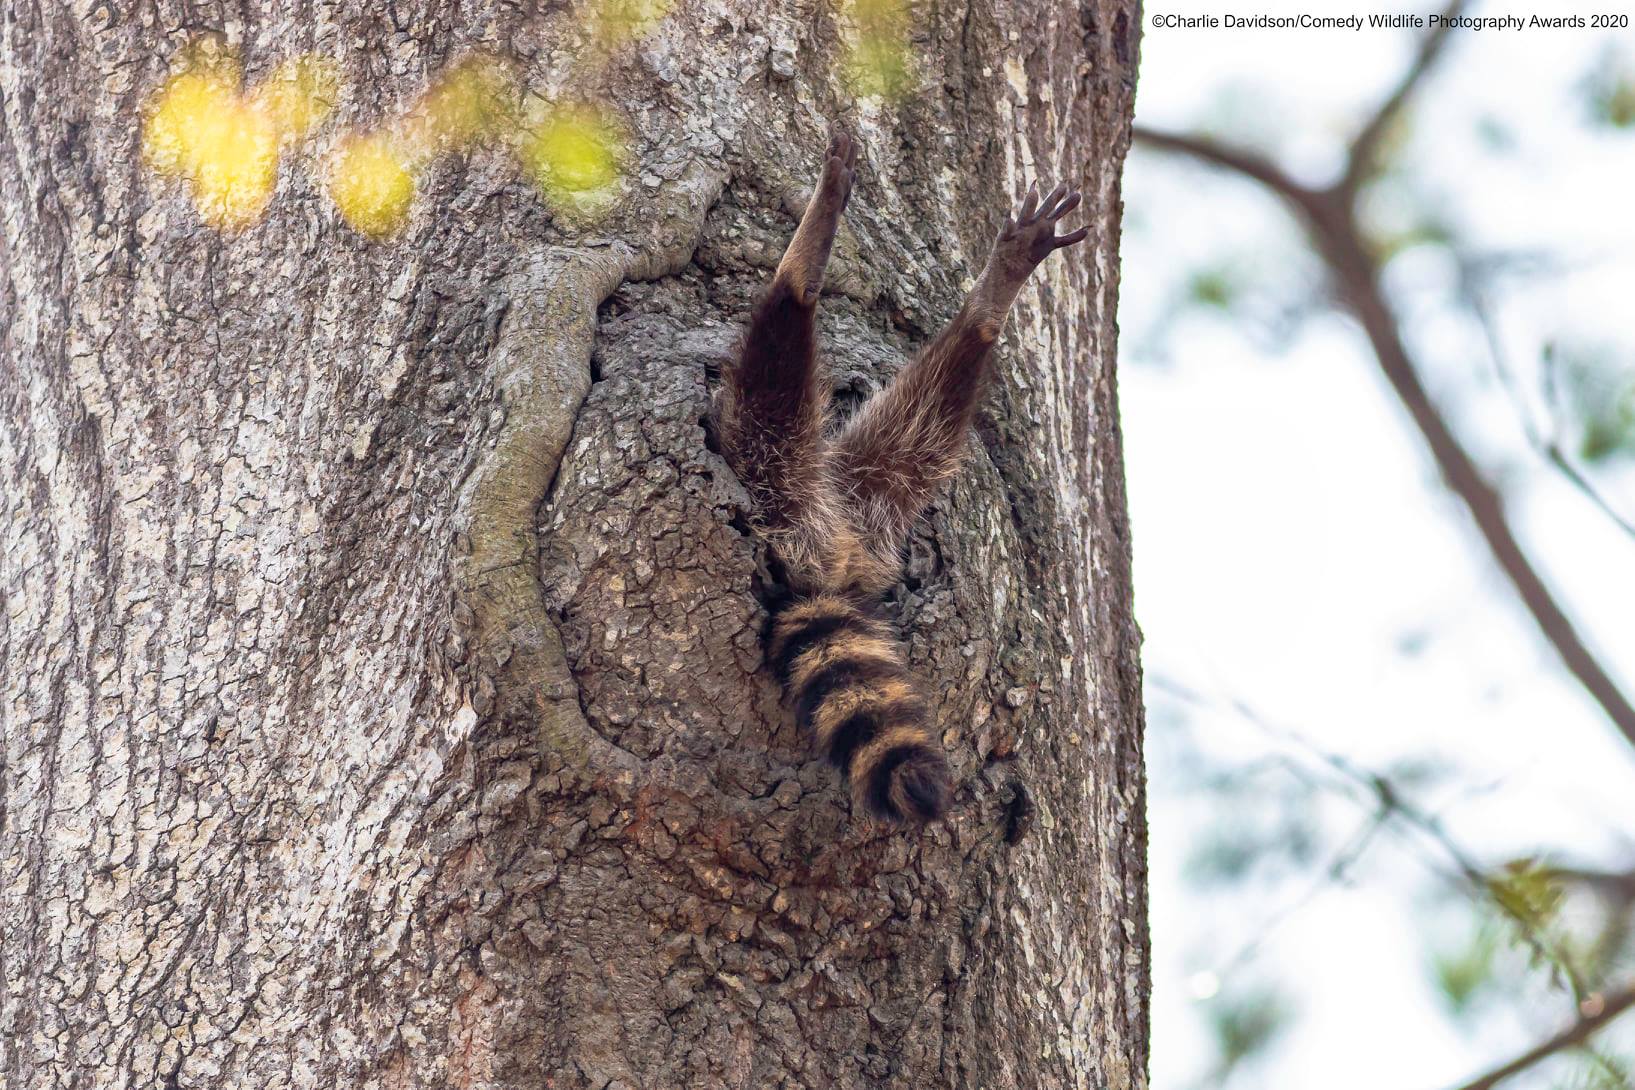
1330	218
1362	157
1598	1011
1440	853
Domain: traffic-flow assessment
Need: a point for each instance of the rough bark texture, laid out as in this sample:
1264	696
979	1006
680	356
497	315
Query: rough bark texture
380	659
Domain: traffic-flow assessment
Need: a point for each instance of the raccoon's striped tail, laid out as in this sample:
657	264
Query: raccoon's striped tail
852	691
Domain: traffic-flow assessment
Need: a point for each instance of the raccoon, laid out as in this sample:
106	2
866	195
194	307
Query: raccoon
836	509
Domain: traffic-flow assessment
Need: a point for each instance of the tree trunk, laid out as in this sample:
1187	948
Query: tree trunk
382	689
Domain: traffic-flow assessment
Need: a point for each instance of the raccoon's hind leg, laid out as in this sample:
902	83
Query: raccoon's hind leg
770	410
907	439
807	257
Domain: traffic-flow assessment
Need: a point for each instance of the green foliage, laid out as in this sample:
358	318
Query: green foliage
1599	1071
1527	892
1496	134
1463	975
1417	772
880	63
1609	91
1232	852
1216	287
1264	293
1599	397
1425	230
1247	112
1397	216
1264	824
1243	1022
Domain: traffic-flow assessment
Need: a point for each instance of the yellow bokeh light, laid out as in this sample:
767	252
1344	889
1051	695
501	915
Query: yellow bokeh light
466	105
237	166
620	21
879	61
298	95
576	152
175	114
371	183
879	66
202	129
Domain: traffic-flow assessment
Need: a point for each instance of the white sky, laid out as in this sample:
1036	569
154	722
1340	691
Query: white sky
1290	533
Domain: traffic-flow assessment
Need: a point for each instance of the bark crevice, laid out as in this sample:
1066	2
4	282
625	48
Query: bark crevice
541	376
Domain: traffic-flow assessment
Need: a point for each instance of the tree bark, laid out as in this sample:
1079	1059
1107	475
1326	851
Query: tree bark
380	660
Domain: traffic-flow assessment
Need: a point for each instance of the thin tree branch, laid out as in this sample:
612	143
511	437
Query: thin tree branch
1360	157
1594	1014
1473	288
1387	801
1618	886
1548	447
1248	163
1354	268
